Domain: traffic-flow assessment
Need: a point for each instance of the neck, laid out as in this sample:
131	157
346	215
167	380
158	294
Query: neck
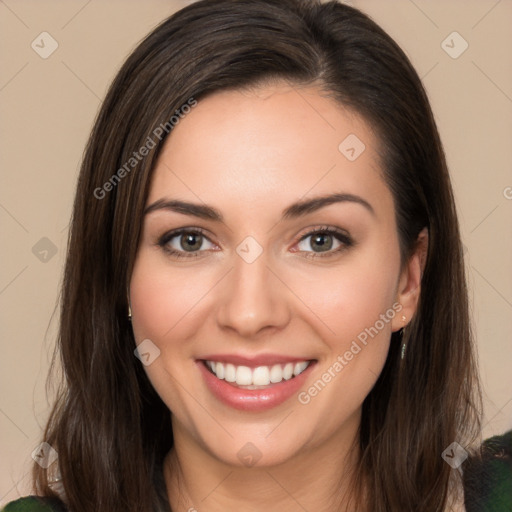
317	478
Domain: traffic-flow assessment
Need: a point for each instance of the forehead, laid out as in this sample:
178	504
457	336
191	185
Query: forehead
268	145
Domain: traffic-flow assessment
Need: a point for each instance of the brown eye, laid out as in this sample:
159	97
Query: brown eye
180	242
322	241
326	240
191	241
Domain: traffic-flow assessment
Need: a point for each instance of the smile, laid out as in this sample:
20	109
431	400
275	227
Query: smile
254	378
254	385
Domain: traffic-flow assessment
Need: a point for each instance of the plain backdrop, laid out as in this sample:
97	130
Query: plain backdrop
48	106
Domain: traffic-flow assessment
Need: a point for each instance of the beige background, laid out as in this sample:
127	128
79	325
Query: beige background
48	106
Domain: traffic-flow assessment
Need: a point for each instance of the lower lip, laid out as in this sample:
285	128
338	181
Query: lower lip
253	399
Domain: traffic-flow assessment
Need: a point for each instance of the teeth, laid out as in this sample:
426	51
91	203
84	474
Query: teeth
259	376
219	370
276	373
300	367
230	372
243	375
288	371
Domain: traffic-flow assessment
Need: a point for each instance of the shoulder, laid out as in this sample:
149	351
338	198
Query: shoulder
488	476
34	504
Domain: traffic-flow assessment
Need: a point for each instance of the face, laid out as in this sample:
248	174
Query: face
268	274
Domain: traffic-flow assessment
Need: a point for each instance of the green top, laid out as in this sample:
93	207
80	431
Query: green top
487	482
34	504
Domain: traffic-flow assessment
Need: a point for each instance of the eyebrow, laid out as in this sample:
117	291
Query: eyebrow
296	210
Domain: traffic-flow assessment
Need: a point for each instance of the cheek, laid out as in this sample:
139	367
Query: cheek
164	300
165	306
355	306
350	297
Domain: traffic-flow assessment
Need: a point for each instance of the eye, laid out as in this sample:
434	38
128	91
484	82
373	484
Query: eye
192	242
185	243
324	242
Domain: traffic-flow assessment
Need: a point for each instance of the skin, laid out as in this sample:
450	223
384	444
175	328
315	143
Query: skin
250	154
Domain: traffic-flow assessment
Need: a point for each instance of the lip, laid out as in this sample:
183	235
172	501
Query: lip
253	362
253	400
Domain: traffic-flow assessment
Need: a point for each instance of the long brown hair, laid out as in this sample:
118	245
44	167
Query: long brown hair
110	428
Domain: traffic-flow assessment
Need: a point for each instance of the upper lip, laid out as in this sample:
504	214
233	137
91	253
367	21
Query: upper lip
254	361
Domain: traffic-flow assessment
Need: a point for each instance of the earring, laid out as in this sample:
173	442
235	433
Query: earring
129	311
404	345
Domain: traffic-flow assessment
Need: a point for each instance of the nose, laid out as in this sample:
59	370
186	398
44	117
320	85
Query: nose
253	300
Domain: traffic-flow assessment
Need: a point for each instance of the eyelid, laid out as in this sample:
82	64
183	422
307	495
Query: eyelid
311	230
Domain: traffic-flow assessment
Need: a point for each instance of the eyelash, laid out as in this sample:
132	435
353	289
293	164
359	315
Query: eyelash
341	236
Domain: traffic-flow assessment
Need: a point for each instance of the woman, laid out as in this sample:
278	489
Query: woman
264	284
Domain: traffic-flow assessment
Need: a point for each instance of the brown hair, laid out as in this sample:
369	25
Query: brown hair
110	428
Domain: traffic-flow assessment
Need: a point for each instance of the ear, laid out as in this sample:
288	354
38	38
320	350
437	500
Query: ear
409	284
